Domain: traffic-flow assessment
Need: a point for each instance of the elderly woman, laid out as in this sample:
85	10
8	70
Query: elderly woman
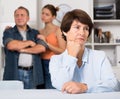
79	69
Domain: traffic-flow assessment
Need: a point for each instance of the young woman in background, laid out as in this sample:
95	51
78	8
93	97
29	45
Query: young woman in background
52	35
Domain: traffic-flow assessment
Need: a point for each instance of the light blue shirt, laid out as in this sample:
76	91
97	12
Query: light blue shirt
96	71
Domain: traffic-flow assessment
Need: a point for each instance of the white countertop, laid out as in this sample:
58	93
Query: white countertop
54	94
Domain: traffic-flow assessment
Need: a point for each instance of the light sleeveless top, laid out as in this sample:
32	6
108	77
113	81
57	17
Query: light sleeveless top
51	39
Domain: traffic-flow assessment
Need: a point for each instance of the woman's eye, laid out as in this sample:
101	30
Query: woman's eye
86	28
77	27
83	28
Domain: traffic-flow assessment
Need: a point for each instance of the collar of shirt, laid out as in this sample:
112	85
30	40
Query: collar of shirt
28	28
85	56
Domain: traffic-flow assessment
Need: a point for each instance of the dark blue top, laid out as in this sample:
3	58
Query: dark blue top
11	57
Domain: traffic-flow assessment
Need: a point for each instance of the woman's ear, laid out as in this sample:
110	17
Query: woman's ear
54	17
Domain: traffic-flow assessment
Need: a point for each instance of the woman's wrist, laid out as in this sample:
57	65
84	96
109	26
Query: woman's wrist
85	88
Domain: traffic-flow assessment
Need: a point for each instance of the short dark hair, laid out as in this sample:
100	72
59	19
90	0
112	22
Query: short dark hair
76	14
21	7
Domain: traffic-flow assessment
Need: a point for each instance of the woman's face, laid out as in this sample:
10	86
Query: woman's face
78	32
46	15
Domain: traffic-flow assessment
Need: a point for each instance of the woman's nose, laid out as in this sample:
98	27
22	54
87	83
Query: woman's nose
81	31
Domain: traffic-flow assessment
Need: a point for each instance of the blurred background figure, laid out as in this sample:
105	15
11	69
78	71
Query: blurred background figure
22	51
52	35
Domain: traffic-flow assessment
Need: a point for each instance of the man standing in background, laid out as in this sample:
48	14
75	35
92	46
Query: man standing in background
22	52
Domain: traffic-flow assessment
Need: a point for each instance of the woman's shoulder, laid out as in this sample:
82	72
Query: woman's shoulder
97	53
56	28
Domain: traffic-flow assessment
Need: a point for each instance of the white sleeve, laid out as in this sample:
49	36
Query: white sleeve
107	81
61	69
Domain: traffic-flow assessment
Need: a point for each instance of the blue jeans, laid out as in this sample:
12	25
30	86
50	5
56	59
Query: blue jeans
48	84
27	77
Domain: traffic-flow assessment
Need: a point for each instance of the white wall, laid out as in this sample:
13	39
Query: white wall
85	5
8	7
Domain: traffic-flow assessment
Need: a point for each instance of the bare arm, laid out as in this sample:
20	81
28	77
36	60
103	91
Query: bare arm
16	45
61	42
34	50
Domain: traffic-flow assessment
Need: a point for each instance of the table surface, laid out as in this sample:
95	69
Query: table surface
54	94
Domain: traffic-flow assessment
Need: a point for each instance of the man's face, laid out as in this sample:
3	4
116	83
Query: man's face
21	17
